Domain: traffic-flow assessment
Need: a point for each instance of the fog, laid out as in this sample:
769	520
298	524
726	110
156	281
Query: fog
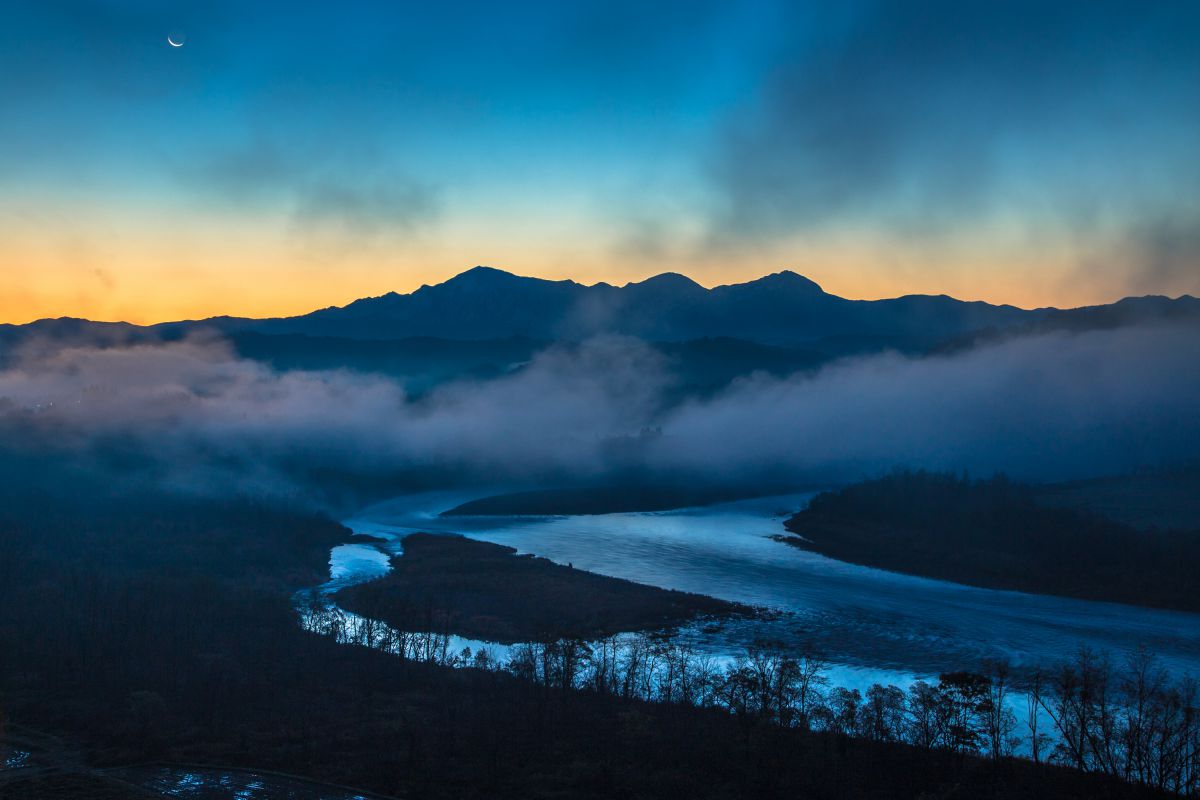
1049	407
191	415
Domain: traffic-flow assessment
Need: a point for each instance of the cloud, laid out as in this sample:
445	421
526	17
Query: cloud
1167	251
352	197
1041	407
197	417
191	415
390	204
925	120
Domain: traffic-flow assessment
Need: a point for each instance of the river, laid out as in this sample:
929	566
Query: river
873	624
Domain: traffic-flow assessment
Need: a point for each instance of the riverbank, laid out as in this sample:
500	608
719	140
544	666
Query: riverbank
449	584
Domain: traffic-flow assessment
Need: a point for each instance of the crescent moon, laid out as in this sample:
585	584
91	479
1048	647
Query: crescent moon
174	43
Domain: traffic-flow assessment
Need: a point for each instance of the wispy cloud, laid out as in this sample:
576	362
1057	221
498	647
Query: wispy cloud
350	196
918	111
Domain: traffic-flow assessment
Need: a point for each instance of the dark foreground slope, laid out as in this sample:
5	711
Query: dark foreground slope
151	628
997	534
486	591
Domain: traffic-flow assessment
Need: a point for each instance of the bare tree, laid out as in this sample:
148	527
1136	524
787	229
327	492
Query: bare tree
810	686
844	705
1065	709
882	714
927	717
999	722
965	696
1033	712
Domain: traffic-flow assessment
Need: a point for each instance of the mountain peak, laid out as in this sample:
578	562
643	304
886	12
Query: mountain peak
480	274
792	280
473	281
670	281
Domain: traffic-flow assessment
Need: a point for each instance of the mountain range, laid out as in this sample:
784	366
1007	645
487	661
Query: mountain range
780	309
484	320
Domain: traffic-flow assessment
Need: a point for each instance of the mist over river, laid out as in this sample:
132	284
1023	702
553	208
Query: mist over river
871	622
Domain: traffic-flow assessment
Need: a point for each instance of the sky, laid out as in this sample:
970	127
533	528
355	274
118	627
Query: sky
291	156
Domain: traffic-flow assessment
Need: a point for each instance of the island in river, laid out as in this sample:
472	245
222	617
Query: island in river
997	534
450	584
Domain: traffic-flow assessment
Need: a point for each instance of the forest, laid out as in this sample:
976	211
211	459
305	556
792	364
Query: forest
996	533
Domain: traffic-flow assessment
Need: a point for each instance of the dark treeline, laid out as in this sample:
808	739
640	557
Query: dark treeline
1133	721
994	533
152	627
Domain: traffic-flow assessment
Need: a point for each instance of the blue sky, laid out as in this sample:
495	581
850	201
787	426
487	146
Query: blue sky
291	156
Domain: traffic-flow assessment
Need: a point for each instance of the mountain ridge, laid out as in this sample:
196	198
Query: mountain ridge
783	308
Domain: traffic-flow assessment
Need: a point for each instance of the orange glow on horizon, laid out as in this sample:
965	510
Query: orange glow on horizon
144	267
146	292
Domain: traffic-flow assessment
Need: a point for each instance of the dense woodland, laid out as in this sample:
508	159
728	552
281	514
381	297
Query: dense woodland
995	533
150	627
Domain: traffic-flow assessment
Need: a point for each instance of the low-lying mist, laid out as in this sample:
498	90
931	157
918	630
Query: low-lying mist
191	415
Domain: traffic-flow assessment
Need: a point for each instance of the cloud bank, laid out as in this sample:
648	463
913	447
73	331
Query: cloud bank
193	416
